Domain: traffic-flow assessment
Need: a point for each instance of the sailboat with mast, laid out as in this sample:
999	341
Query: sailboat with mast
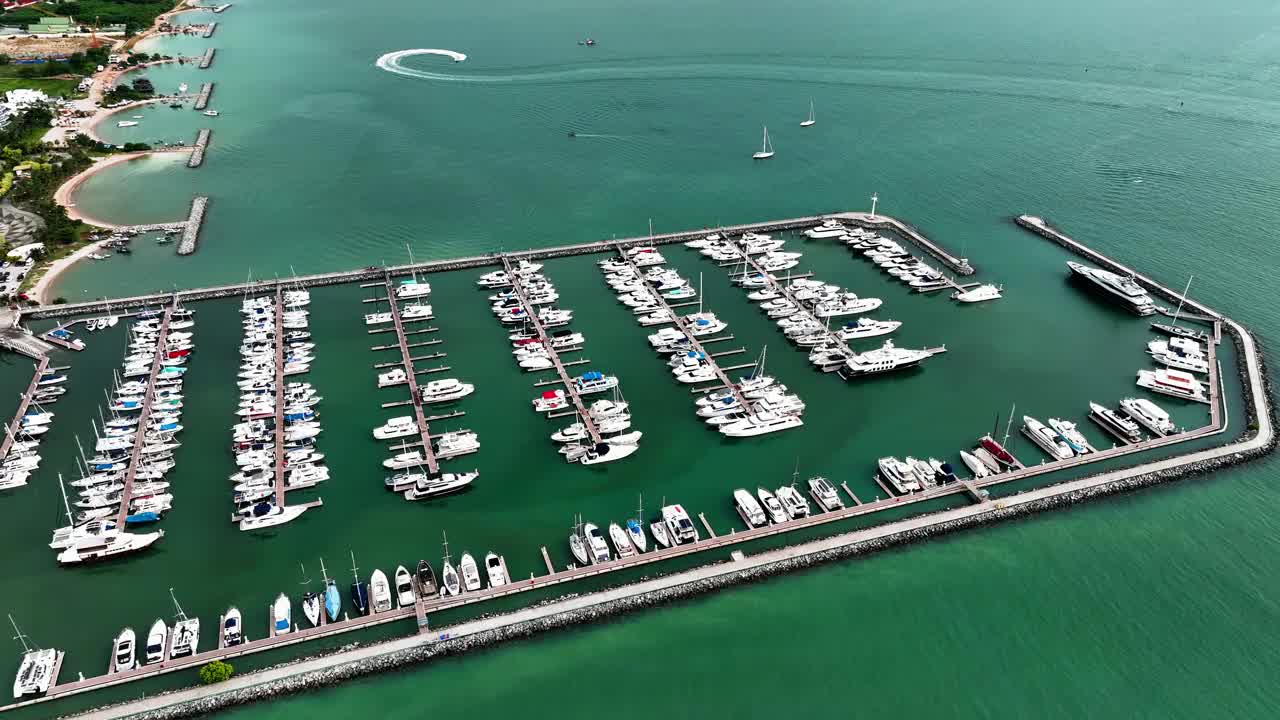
186	632
450	583
766	148
359	589
1173	328
412	287
635	527
35	672
811	121
332	598
310	600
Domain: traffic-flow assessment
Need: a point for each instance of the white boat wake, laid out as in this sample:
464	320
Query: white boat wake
391	61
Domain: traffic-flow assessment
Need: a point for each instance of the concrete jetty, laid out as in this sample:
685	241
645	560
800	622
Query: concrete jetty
148	400
16	425
208	31
376	273
202	100
415	396
191	231
1258	439
872	220
207	59
197	150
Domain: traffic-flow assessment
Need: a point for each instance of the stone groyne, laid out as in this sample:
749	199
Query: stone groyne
202	101
191	233
197	151
207	59
208	31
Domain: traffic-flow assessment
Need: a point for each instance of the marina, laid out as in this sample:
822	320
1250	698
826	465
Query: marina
718	536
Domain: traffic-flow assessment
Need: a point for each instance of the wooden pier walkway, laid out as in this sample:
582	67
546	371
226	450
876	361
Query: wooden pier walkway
424	429
570	389
16	424
130	472
279	418
722	378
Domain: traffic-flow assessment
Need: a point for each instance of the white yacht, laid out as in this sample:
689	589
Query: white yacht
101	547
265	515
405	596
412	288
1124	290
825	493
678	522
403	460
395	376
592	382
749	508
378	318
35	673
380	591
1173	382
396	427
866	328
281	615
495	567
1167	354
793	501
1151	416
766	148
976	466
772	506
761	423
446	390
848	304
157	641
427	487
127	123
978	294
456	444
470	573
124	651
596	545
1049	440
900	475
828	229
612	449
1068	431
881	360
621	541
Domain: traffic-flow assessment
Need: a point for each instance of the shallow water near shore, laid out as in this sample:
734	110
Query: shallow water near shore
1153	147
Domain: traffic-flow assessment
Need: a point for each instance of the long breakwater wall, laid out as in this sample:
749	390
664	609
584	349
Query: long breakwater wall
191	233
197	150
202	101
207	59
475	261
309	674
208	31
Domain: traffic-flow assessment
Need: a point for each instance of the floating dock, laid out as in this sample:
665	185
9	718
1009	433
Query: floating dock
569	388
16	424
279	418
197	150
207	59
191	230
126	495
376	273
206	90
415	396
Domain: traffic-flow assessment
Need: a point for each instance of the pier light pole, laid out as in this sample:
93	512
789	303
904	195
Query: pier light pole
874	197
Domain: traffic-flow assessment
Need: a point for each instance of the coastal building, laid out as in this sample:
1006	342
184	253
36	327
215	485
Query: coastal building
55	25
22	98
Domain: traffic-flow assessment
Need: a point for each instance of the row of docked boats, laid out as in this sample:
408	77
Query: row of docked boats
133	451
1182	358
757	405
23	457
465	576
277	423
786	503
590	545
526	305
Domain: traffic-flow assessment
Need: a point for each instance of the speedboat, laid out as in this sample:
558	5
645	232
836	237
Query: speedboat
496	568
157	641
311	608
265	514
426	486
380	591
470	573
426	578
609	451
281	615
772	506
404	587
123	651
232	627
976	466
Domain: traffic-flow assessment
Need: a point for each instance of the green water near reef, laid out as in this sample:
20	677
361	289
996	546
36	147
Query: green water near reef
1148	132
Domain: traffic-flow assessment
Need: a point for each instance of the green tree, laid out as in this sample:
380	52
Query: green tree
11	154
216	672
5	59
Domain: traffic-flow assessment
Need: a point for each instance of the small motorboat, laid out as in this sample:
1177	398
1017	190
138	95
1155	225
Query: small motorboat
405	595
311	608
659	530
426	578
123	652
157	641
496	568
452	584
470	573
380	591
282	615
232	627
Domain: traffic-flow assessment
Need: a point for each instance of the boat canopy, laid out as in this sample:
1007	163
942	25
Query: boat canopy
592	375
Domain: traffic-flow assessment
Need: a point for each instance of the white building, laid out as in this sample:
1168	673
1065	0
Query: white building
22	98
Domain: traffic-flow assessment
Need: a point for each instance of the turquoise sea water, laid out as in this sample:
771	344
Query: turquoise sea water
1147	131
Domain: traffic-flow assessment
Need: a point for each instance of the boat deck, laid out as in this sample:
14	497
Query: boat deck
126	495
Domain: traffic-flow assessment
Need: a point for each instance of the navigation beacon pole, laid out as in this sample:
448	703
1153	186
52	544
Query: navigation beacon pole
874	198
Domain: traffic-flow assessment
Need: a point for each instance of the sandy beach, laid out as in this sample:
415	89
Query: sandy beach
40	291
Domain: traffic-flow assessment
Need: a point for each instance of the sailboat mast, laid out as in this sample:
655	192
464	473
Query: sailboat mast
181	615
355	572
323	573
1009	425
1182	299
66	504
19	637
